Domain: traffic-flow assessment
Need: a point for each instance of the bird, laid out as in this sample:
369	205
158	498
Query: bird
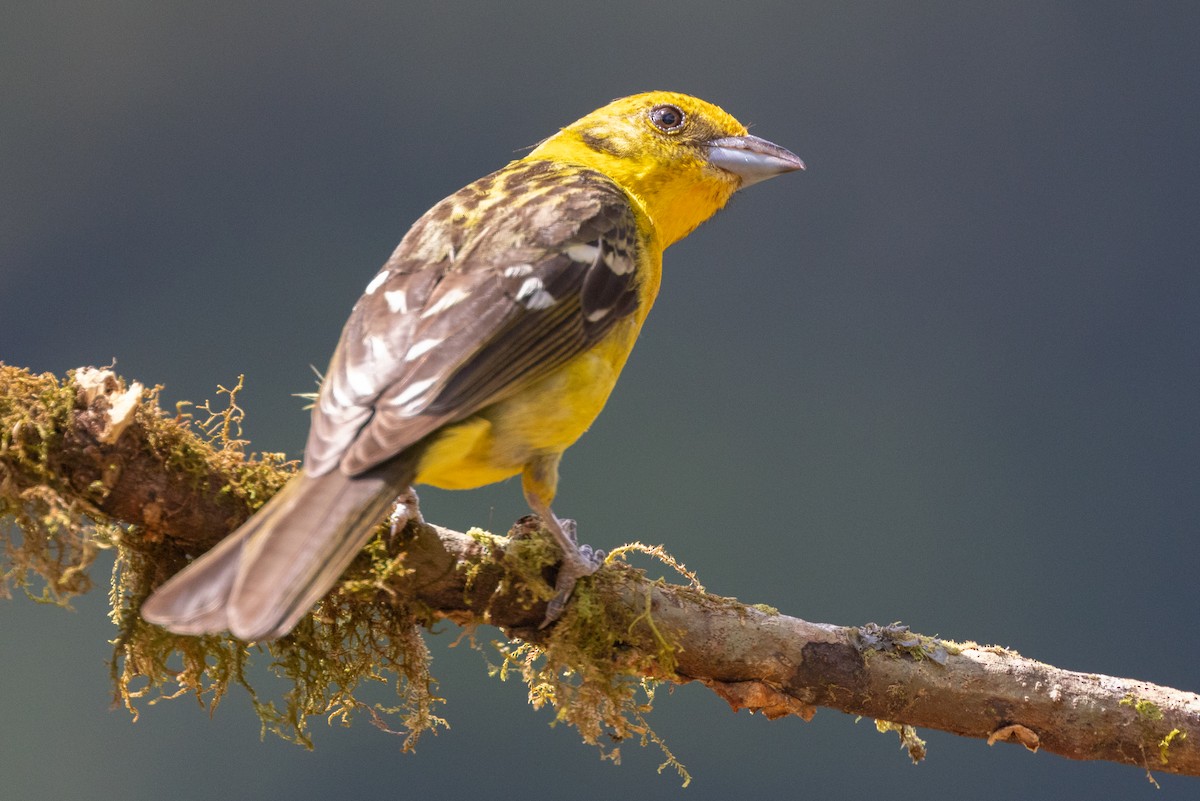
484	347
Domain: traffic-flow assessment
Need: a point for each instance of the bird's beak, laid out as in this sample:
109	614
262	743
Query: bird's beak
751	159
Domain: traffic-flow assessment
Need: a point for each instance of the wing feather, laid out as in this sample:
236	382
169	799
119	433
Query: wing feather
485	295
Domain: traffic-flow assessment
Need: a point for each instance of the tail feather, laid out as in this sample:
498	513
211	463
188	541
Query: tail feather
194	600
259	581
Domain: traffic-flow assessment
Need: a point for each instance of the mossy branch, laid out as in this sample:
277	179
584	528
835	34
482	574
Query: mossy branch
88	462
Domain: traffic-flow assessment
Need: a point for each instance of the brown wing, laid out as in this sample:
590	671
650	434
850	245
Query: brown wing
493	288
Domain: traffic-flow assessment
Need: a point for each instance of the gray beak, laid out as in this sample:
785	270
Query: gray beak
752	159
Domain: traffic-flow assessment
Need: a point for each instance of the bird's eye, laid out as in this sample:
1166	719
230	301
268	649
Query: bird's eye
668	119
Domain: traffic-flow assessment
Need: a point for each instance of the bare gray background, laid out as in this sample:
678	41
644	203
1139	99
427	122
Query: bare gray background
947	376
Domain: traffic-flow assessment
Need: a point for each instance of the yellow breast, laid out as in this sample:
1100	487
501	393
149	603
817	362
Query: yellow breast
544	418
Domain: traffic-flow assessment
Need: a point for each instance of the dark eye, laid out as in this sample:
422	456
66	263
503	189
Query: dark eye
667	118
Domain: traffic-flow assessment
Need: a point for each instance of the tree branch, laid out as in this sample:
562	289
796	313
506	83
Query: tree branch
115	454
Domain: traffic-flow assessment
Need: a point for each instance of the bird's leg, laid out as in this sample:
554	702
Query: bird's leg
407	507
540	480
578	561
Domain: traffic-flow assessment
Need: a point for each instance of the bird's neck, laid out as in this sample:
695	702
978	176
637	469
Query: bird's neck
676	199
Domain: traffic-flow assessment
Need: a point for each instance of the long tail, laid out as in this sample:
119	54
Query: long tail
260	580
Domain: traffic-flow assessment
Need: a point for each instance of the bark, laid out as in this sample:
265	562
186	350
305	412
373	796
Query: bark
754	658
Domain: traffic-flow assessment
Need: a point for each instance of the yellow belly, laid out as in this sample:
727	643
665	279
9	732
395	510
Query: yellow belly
544	418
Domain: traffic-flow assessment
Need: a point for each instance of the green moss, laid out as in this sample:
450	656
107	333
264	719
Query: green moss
897	640
600	667
1165	743
1150	716
909	740
204	447
525	558
53	530
49	539
326	662
1147	710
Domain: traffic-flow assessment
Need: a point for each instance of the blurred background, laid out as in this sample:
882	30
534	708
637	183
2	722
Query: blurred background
947	376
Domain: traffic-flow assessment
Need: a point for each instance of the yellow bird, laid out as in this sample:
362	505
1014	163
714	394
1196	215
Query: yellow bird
483	349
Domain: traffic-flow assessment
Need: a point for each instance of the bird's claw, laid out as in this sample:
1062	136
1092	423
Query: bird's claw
594	555
583	562
407	507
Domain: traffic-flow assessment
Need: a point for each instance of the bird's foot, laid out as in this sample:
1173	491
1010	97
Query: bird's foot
593	555
406	509
578	561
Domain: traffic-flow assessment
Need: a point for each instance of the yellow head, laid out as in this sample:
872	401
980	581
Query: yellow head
678	156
